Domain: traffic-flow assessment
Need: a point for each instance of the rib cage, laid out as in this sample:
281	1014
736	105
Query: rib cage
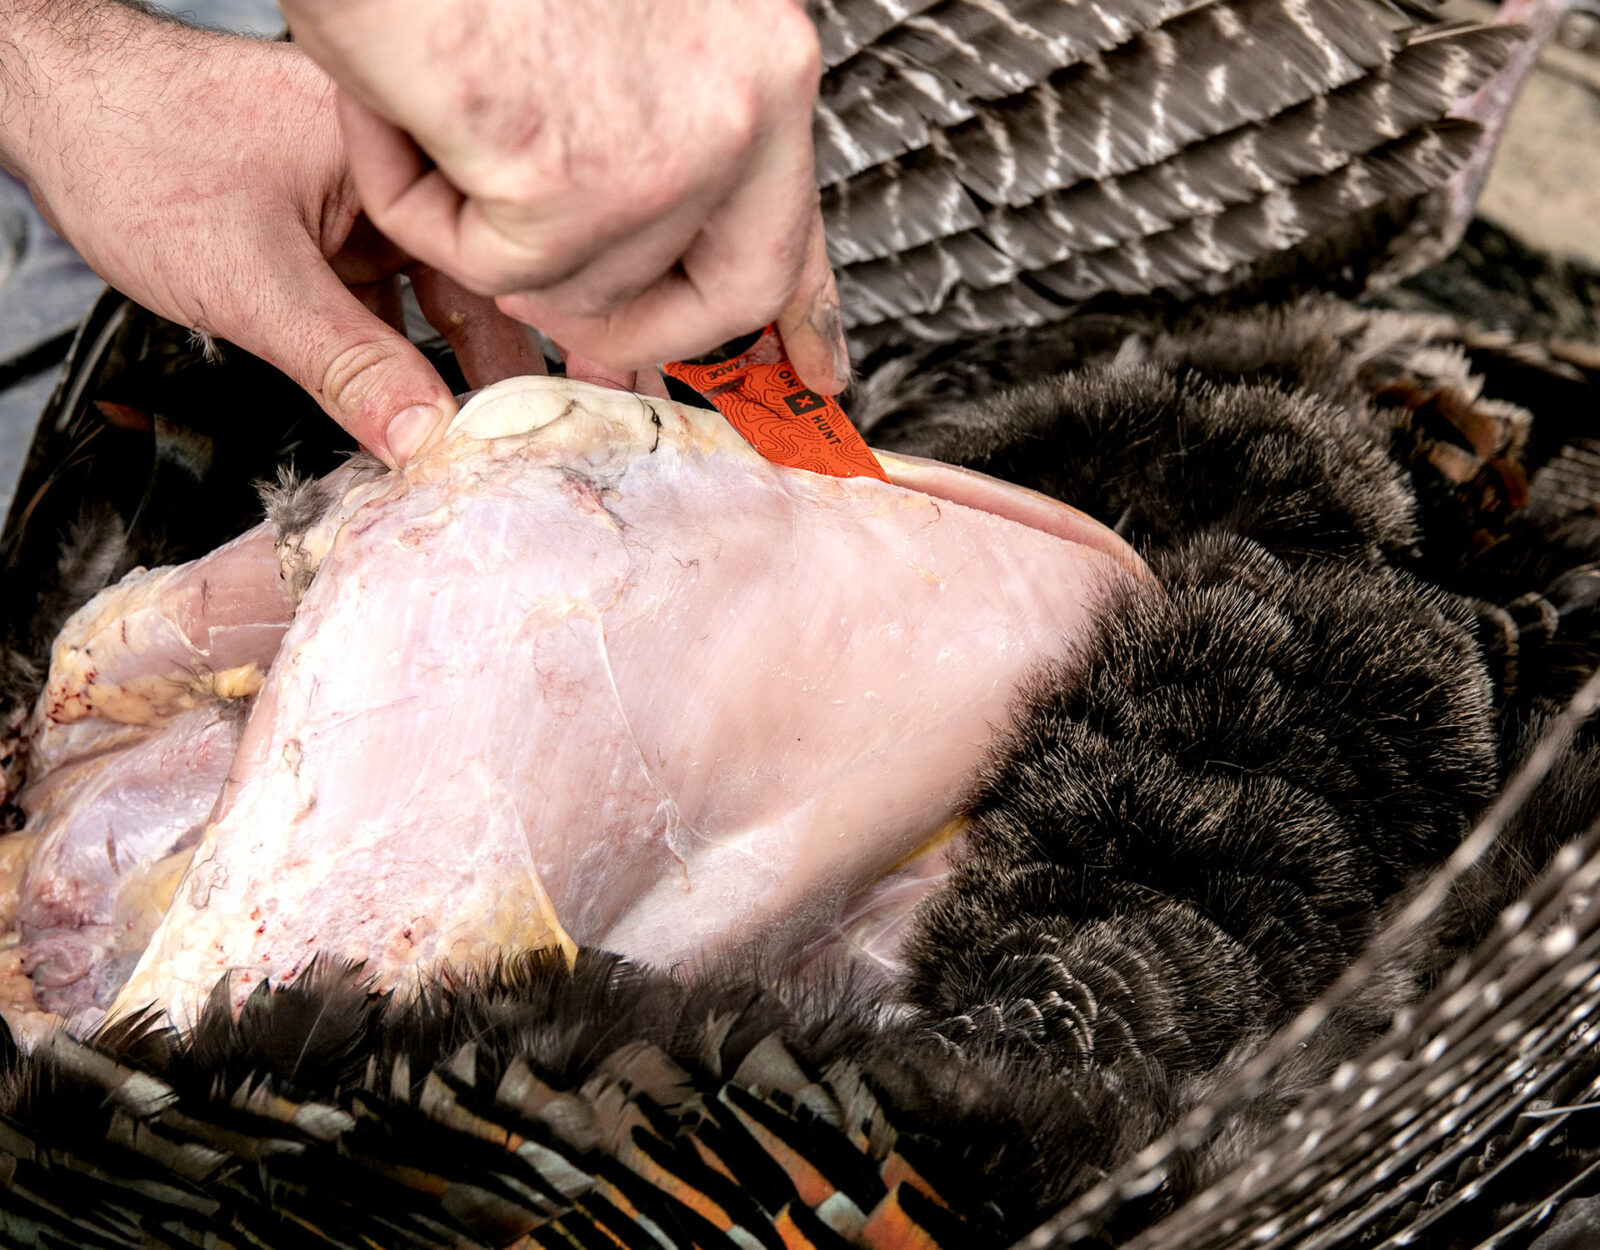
995	163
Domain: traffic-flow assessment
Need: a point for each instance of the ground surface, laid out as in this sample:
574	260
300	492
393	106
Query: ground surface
1545	185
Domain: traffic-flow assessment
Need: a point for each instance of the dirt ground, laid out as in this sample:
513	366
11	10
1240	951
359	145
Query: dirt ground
1544	186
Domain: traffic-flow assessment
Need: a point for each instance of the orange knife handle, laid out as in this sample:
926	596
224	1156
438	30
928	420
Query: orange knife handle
762	397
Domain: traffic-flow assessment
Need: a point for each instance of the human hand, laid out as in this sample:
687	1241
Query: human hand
204	176
634	177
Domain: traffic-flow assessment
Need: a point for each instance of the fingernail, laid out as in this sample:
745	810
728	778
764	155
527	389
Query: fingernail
409	429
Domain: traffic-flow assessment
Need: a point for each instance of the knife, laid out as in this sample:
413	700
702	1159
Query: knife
753	385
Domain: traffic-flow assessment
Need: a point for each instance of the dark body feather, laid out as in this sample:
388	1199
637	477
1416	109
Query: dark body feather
1192	829
1376	595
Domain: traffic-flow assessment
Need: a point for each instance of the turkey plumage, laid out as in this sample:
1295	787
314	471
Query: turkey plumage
1214	856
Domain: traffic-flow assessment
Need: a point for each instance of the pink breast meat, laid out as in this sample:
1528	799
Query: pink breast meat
589	672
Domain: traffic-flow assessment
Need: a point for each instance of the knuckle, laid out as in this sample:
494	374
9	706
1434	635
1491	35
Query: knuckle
354	378
741	117
505	263
523	184
795	48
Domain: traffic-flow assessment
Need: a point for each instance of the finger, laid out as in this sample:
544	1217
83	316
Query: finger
405	197
635	334
365	254
811	327
582	369
489	346
652	382
365	374
742	271
634	262
640	381
489	249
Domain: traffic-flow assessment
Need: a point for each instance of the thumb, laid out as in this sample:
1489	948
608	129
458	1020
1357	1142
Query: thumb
364	373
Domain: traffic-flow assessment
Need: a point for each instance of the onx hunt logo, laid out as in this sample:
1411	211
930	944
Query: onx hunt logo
809	403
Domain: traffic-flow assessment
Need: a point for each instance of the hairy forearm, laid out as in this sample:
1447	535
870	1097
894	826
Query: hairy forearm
67	68
138	136
203	175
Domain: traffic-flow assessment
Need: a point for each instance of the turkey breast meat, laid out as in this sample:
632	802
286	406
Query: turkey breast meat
590	671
